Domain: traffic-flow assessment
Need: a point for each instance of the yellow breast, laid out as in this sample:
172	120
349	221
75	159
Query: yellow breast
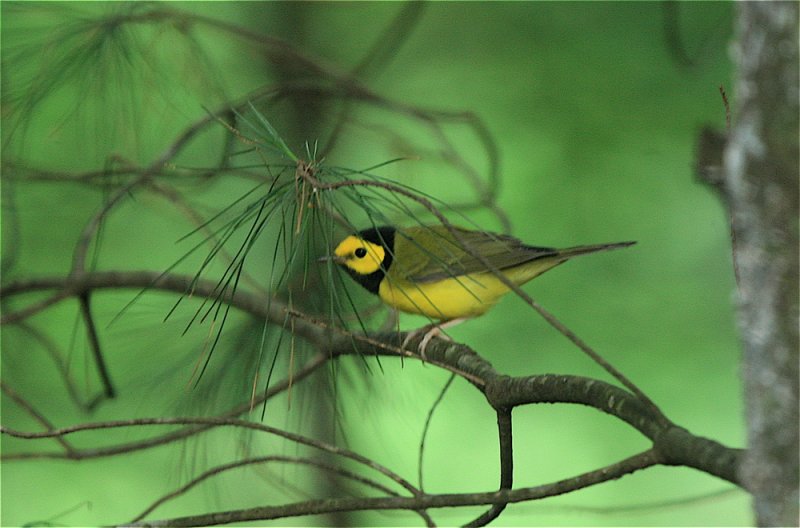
457	297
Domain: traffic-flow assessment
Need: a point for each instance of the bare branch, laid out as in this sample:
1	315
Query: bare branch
36	415
218	422
94	342
506	467
500	391
263	460
629	465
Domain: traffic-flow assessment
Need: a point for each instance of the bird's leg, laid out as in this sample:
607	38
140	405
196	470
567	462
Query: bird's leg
392	322
431	331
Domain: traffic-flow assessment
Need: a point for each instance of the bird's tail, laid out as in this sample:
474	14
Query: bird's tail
594	248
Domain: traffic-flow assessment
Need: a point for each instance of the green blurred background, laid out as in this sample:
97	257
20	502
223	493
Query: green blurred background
594	109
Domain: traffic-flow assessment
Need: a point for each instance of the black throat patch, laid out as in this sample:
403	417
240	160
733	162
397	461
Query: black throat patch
382	236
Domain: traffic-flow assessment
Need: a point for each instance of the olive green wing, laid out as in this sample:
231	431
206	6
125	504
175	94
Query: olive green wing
428	254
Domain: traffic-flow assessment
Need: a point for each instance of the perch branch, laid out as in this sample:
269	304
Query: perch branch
676	446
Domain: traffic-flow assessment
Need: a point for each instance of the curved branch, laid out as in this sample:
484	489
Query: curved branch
506	467
84	301
274	310
675	445
629	465
263	460
35	414
174	436
218	422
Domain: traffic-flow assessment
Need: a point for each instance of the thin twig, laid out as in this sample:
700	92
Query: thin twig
52	350
94	343
427	425
174	436
36	415
218	422
263	460
9	317
88	233
727	109
614	471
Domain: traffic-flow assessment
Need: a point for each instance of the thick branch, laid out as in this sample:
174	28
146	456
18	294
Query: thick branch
675	445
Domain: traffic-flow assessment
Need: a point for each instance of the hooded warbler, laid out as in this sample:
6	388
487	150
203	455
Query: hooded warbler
427	270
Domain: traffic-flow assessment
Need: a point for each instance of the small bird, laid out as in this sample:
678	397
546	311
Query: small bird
442	274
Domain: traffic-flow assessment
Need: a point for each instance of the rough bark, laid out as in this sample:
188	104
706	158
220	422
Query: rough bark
761	184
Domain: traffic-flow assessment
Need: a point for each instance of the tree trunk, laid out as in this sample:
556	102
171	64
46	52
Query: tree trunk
761	167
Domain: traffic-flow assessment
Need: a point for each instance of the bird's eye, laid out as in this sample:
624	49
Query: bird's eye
361	252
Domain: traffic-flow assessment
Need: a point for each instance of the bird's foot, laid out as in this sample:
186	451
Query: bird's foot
430	331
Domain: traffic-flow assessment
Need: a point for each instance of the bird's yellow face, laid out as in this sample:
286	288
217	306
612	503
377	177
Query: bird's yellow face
360	256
